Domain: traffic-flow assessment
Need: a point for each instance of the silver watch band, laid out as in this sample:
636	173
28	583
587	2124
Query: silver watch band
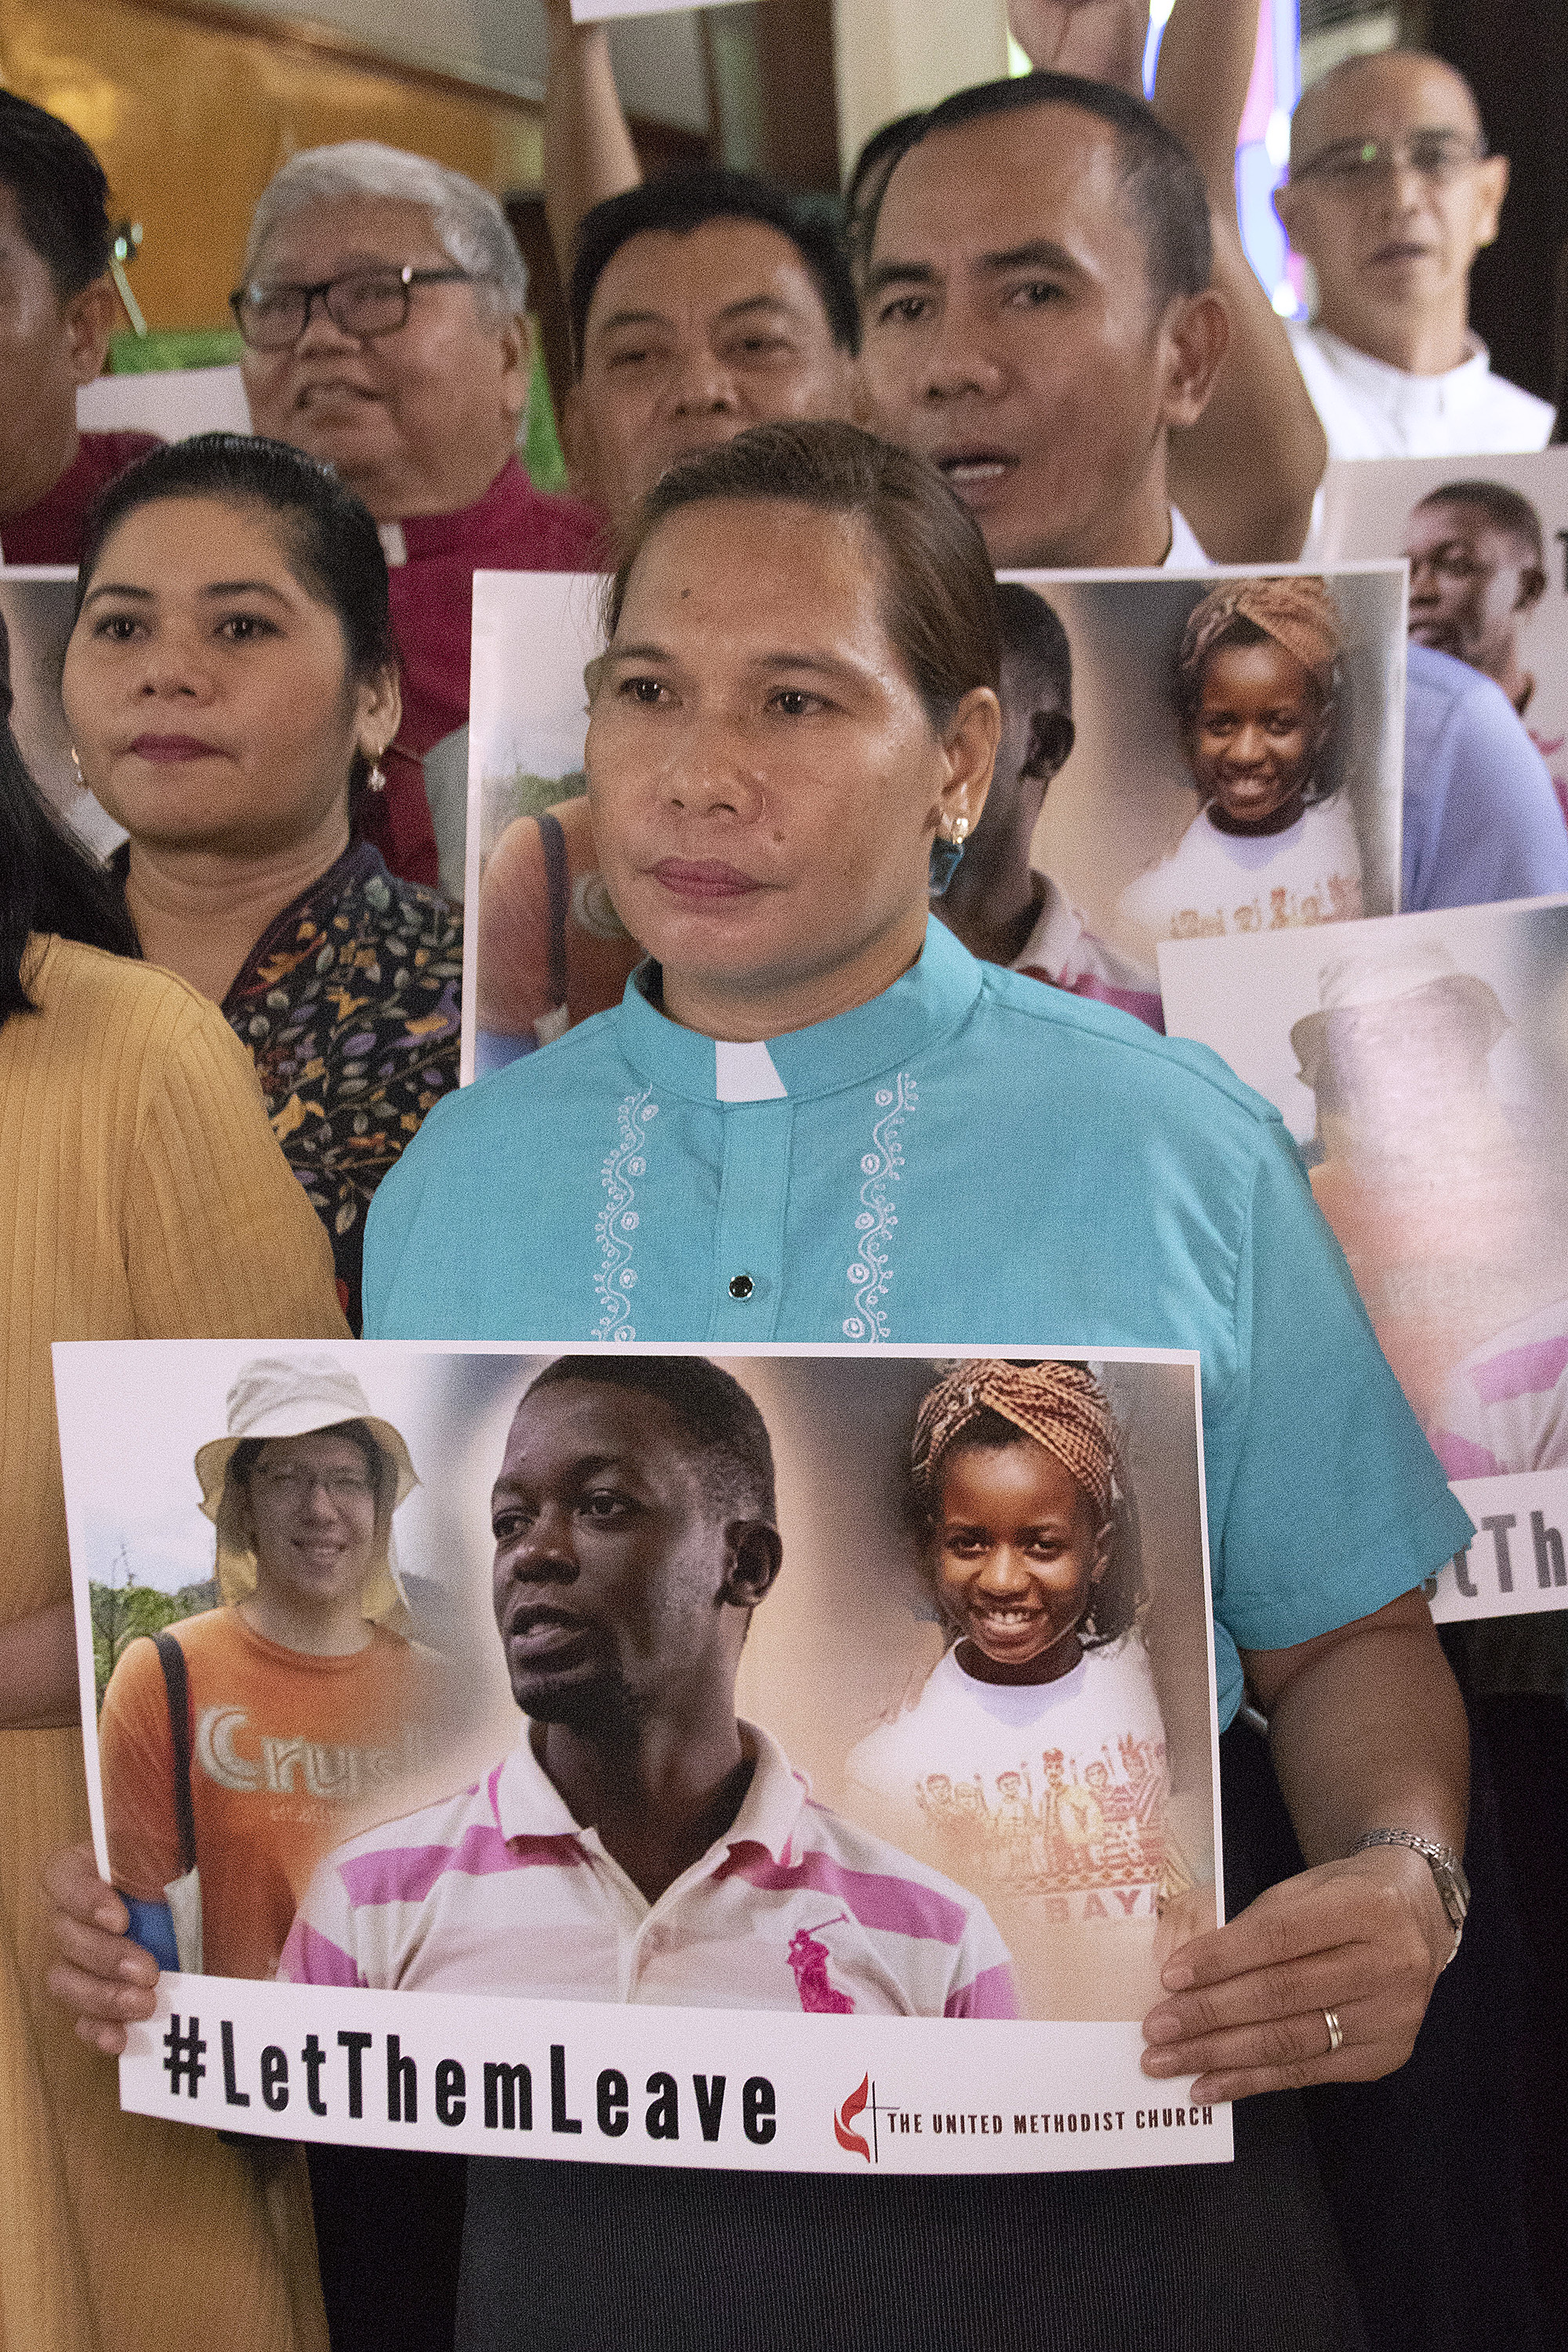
1448	1873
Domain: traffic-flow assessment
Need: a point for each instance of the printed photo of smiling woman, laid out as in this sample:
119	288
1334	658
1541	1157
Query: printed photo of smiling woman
1033	1763
1259	695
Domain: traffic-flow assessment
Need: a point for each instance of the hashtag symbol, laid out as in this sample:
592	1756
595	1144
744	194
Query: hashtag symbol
183	2055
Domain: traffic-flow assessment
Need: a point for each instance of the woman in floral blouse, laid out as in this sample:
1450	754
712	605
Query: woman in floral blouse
231	684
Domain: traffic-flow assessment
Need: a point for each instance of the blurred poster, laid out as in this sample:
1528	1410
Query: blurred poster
651	1755
1422	1066
38	606
1236	761
589	12
1487	541
540	920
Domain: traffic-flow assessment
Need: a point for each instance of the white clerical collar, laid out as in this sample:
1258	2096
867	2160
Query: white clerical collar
1399	393
746	1074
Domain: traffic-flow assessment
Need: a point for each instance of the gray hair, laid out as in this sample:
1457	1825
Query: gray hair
467	221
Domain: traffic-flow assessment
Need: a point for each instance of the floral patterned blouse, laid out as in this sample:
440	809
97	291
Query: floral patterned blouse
350	1004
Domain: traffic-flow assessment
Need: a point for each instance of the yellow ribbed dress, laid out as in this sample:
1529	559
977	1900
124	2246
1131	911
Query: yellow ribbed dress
142	1196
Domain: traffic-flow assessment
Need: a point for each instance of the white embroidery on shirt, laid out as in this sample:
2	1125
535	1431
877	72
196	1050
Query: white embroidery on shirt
868	1271
620	1218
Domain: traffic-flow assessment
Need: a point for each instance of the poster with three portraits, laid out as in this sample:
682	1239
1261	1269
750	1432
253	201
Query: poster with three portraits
792	1758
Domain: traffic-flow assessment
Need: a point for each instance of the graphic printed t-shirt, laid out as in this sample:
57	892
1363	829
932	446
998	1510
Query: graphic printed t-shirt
1215	885
794	1908
290	1754
1049	1798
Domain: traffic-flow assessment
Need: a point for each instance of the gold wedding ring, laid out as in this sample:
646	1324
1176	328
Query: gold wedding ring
1336	2031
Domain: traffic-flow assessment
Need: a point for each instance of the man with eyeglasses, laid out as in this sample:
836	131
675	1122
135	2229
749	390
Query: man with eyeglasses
383	305
1392	194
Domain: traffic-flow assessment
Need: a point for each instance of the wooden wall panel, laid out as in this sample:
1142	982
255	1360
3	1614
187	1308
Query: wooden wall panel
193	108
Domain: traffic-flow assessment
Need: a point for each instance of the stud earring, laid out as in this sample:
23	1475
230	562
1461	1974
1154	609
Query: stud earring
946	851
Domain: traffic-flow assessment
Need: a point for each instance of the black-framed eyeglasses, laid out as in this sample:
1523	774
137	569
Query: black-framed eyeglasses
363	302
1439	156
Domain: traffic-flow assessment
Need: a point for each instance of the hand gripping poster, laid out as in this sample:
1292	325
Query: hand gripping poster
1422	1066
1182	757
777	1759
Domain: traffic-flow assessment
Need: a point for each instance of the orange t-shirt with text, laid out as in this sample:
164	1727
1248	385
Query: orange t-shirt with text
290	1755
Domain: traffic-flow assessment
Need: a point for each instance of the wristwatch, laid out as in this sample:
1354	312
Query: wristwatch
1453	1886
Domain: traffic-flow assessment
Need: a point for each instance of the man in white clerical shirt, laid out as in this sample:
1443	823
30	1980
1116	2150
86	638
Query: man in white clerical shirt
1392	194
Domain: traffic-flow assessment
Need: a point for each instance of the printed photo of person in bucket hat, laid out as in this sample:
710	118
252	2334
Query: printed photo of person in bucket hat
241	1744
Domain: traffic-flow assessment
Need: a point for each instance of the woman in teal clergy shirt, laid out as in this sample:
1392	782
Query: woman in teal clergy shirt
816	1118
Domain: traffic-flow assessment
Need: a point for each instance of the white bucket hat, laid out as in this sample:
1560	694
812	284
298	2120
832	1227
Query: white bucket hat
1354	984
295	1396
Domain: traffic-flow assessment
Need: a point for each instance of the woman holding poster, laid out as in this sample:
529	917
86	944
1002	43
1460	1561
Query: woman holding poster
814	1116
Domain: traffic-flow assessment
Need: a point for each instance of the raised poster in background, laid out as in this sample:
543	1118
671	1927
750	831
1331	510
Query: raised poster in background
38	606
435	1610
534	633
1422	1065
1237	760
589	12
1486	540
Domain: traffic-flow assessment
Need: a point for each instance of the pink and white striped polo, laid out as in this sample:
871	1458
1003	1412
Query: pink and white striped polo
1506	1405
500	1890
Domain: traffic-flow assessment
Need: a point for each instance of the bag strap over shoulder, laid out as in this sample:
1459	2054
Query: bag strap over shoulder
553	841
171	1658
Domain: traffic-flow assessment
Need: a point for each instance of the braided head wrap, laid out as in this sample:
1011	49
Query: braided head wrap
1299	614
1061	1406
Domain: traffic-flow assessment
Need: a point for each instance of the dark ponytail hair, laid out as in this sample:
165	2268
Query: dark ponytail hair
332	545
48	880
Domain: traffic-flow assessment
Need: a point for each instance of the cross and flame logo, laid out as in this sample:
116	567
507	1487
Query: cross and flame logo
854	2141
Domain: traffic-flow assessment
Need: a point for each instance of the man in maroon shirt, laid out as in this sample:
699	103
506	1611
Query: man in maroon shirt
58	307
382	308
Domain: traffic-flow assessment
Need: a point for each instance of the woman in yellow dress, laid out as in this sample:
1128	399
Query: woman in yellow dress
142	1196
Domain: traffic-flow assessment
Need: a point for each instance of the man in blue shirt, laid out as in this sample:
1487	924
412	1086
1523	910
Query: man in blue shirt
1482	818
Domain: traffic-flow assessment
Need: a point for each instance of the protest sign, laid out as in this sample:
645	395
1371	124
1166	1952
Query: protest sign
37	604
590	12
912	1913
534	633
1237	760
1486	539
1421	1065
